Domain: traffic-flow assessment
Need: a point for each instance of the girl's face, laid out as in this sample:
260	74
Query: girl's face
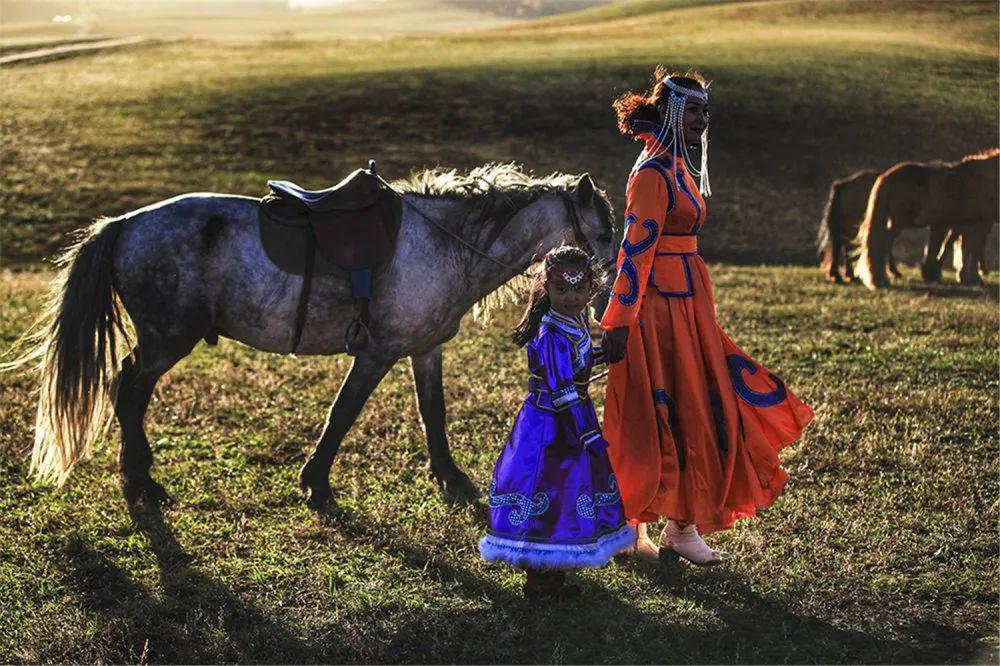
568	299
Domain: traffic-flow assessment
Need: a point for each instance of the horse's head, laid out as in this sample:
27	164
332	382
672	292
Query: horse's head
591	216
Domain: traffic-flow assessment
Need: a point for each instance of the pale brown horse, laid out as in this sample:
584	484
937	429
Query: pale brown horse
843	214
960	196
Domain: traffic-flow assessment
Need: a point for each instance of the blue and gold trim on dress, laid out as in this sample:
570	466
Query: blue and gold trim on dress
628	269
657	164
543	397
682	182
661	397
577	331
525	507
586	506
737	364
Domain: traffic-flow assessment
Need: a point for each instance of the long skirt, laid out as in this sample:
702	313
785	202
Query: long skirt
553	504
694	424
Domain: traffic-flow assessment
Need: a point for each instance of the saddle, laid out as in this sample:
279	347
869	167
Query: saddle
348	230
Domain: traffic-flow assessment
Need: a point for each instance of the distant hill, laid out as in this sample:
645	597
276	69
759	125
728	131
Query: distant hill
803	93
179	18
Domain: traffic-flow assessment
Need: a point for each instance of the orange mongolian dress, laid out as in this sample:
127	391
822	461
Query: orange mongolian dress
694	424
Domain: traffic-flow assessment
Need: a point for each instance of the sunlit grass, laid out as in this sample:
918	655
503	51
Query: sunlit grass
882	548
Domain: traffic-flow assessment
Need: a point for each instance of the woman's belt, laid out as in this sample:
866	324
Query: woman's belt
686	244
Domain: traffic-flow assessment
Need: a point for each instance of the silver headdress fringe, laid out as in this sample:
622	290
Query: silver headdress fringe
671	135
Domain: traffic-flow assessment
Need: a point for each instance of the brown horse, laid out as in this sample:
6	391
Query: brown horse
845	209
955	199
842	217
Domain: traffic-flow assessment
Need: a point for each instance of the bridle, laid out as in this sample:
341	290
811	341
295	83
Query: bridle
577	225
571	210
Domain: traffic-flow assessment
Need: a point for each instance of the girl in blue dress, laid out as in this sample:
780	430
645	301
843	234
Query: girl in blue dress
554	503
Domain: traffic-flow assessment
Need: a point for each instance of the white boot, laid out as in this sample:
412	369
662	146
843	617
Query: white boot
687	543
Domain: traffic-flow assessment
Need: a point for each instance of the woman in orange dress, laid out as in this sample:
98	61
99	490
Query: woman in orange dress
694	424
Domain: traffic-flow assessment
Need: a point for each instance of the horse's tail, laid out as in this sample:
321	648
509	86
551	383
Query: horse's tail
74	349
873	236
830	238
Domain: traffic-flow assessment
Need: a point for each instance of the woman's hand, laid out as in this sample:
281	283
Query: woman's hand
613	342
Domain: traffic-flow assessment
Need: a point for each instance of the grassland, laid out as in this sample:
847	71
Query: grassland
884	546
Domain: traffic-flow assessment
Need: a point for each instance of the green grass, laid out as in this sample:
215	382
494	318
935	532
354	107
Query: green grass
804	93
882	548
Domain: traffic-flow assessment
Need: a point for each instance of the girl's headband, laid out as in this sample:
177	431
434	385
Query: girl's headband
560	274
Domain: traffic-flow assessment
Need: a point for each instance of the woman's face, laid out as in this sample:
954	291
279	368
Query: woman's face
695	119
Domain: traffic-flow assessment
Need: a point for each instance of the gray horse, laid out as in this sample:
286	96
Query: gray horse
160	279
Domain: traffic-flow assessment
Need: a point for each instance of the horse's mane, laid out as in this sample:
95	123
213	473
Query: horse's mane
508	178
984	154
489	196
491	192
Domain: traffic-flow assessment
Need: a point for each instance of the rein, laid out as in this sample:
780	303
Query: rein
571	211
448	232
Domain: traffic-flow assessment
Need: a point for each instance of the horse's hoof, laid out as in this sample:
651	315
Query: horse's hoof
156	494
145	491
318	497
457	486
315	485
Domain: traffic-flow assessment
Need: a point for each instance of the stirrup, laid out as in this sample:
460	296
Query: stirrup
357	336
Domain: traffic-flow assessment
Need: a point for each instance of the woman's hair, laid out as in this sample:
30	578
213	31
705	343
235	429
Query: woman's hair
568	256
632	106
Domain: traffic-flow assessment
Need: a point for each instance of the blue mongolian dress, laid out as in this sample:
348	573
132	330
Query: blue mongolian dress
554	501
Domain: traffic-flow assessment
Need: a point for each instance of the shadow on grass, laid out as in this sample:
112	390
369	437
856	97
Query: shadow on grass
719	619
191	619
948	289
739	624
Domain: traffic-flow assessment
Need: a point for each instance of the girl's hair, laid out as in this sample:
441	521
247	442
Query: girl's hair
568	256
632	106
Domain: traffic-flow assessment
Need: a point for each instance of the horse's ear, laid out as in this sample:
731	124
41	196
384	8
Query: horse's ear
585	189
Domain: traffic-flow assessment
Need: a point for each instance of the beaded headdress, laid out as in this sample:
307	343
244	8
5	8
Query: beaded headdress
559	273
671	134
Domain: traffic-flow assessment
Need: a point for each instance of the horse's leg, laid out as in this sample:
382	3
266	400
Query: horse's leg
948	244
365	374
972	241
135	384
849	275
930	268
838	248
430	398
891	259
